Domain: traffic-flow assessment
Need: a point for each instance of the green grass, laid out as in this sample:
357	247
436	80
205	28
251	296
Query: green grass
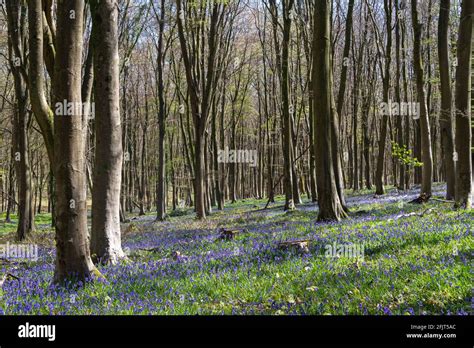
41	220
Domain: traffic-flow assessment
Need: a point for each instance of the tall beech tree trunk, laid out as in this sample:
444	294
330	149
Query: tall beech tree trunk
398	96
72	247
282	60
330	207
36	83
16	22
379	189
407	128
447	139
340	99
463	107
106	234
221	166
426	152
215	157
160	187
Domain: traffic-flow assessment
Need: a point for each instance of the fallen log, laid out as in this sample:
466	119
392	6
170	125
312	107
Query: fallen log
301	246
422	214
443	200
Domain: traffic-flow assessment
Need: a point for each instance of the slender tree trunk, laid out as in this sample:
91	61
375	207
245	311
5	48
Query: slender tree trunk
11	189
368	182
379	189
199	186
160	193
407	128
36	84
447	138
221	166
463	108
215	161
312	161
346	59
25	221
401	184
426	152
16	22
282	60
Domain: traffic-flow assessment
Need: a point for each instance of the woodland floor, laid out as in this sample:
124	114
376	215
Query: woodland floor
413	264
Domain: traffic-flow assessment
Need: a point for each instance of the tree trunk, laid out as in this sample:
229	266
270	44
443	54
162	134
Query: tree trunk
330	207
106	234
379	189
426	152
345	65
160	193
73	255
282	61
447	138
16	21
463	107
401	184
199	176
36	84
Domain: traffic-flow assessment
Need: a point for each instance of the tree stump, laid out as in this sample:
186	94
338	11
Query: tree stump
300	246
228	234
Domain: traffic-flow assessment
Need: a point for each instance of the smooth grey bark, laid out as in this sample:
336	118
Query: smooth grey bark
106	235
72	246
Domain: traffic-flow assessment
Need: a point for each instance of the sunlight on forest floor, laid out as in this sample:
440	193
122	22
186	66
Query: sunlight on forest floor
413	264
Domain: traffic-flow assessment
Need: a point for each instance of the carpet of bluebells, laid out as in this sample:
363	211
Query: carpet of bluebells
413	264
